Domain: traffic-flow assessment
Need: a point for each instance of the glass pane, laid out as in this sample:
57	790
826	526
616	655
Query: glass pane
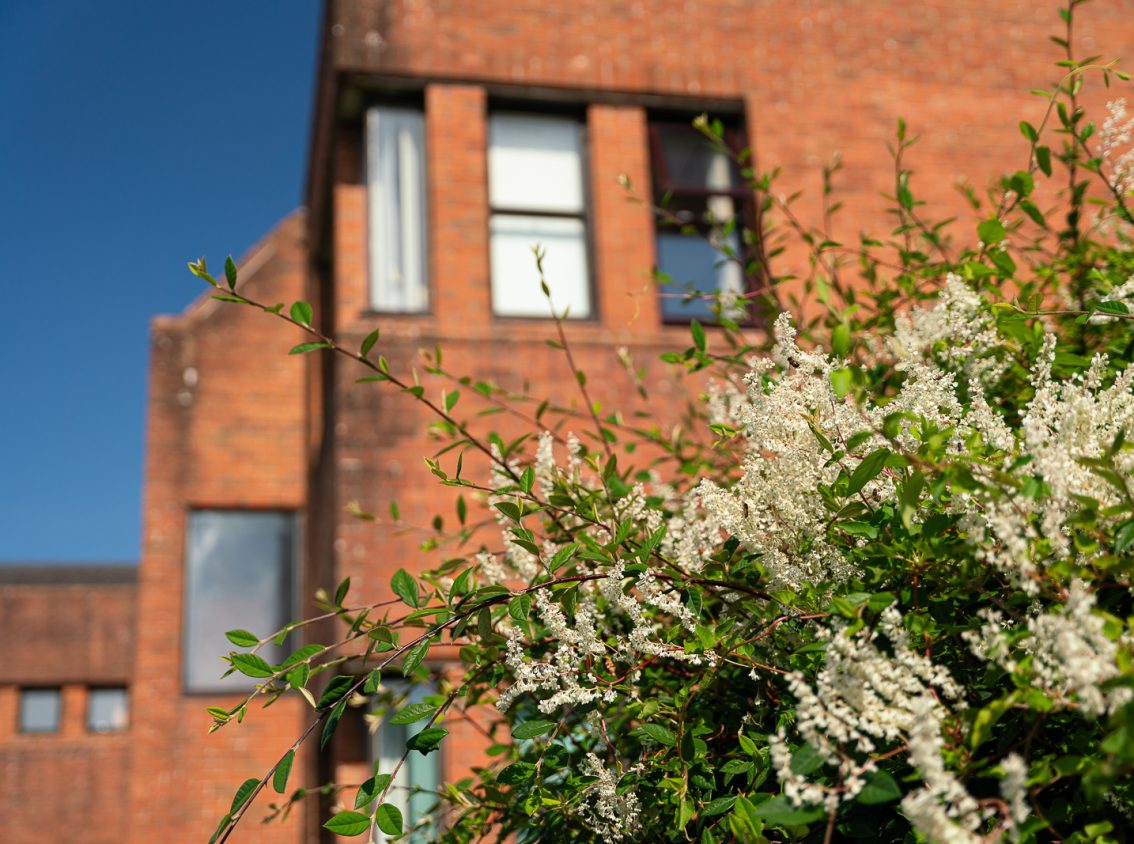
414	787
691	161
237	575
106	710
515	279
694	264
39	710
395	164
534	164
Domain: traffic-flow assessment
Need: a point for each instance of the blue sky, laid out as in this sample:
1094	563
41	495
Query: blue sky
134	136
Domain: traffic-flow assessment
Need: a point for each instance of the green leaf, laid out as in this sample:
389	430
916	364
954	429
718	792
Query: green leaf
840	340
341	592
302	654
1043	159
866	471
806	759
230	272
251	665
339	686
242	794
368	342
779	810
301	313
370	790
842	380
516	773
304	348
406	588
520	607
242	638
1028	131
283	770
235	299
427	740
879	788
698	335
389	819
348	823
332	723
413	712
991	232
1124	536
414	657
1112	307
658	733
531	729
719	806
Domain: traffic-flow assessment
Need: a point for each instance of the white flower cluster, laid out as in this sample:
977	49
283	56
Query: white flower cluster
1114	146
774	508
869	695
566	677
611	815
957	331
942	809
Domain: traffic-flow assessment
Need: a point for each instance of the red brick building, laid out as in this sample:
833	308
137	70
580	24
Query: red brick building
448	137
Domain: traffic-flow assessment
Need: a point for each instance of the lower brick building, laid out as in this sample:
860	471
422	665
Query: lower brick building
447	139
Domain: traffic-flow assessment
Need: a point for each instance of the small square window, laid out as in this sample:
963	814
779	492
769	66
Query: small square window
704	205
40	710
536	194
107	710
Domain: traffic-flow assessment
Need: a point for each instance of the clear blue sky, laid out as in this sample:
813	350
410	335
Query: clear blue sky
134	136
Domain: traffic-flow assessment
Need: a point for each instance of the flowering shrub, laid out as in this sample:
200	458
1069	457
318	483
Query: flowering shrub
882	591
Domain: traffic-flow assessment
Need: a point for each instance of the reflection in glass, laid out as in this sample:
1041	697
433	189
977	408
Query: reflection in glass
40	710
238	574
107	710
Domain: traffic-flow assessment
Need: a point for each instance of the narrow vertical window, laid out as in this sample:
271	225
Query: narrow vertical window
107	710
40	710
397	211
414	789
535	189
704	205
238	575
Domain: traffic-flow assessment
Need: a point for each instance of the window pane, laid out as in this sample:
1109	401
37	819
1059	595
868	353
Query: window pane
395	164
414	788
106	710
515	279
693	263
534	164
238	575
39	710
691	161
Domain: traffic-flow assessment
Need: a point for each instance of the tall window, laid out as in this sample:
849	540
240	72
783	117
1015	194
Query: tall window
107	710
395	175
40	710
238	575
535	189
704	203
414	788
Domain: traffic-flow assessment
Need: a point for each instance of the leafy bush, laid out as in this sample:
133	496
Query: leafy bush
880	590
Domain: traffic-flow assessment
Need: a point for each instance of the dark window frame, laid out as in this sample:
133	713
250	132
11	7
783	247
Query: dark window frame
58	725
666	190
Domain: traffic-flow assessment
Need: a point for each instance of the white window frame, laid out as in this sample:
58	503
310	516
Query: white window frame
397	210
556	219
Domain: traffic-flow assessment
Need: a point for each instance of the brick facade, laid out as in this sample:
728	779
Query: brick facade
234	422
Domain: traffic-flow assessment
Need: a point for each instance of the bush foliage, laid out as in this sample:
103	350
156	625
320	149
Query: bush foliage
880	587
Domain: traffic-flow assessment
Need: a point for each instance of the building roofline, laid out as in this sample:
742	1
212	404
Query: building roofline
67	574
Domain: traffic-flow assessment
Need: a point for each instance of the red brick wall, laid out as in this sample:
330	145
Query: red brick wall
226	429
